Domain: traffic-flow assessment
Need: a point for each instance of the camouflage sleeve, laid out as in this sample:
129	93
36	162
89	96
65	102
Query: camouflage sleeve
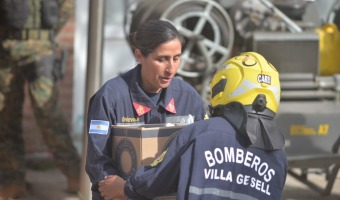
66	10
30	50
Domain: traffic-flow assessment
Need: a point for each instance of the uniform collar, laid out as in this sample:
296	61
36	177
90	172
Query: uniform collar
261	130
142	103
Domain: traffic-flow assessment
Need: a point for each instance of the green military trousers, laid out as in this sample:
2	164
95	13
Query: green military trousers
15	73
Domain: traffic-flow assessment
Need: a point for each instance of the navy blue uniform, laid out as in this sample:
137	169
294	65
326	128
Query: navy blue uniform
209	160
121	100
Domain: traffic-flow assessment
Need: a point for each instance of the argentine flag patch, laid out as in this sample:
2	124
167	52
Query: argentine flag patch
99	127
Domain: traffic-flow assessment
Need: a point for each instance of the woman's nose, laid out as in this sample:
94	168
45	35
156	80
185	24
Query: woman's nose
171	67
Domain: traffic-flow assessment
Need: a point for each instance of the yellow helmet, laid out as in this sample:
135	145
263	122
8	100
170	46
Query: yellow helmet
242	79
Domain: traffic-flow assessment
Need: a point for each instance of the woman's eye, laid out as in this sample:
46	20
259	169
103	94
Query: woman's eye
161	59
177	58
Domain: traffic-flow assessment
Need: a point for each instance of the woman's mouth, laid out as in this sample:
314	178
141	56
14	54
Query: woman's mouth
165	79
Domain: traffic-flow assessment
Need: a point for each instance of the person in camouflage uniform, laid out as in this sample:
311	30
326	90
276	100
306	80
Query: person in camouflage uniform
29	60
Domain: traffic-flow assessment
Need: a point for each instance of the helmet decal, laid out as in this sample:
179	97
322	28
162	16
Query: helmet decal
262	78
222	68
276	91
244	87
247	60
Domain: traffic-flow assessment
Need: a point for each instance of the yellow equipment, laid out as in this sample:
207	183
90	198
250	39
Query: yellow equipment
329	48
242	78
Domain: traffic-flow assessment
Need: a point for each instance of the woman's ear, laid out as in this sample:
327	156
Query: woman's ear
138	55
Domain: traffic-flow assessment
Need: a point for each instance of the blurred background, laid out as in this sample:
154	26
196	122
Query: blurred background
299	37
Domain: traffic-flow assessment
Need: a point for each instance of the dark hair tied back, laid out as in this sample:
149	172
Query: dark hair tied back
152	34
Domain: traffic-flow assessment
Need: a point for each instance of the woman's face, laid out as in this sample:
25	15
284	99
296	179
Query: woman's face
160	66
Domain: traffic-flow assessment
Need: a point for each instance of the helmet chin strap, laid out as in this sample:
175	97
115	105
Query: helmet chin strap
259	127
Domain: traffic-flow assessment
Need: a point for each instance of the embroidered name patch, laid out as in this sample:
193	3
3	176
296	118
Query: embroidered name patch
99	127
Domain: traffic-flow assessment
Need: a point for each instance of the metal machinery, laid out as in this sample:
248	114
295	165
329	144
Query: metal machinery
301	50
310	104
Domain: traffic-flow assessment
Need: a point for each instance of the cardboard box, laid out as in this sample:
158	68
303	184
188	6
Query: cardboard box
133	146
